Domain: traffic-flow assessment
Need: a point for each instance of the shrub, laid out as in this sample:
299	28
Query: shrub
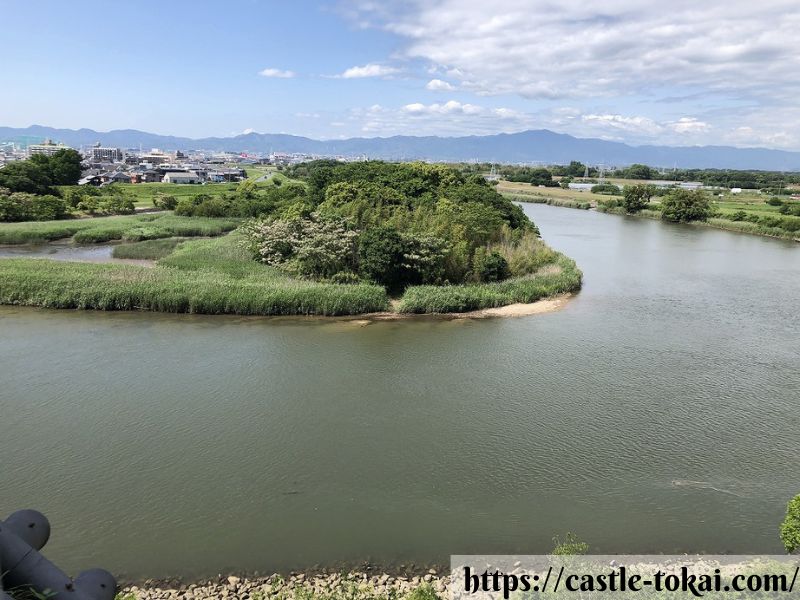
326	247
490	266
774	201
684	206
790	208
345	278
184	207
164	201
117	204
606	188
637	197
571	546
211	207
790	528
22	206
739	215
272	242
316	247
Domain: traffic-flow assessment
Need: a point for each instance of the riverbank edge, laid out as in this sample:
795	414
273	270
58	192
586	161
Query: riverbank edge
359	584
517	309
107	287
712	222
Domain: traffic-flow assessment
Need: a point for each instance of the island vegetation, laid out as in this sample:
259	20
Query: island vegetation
330	239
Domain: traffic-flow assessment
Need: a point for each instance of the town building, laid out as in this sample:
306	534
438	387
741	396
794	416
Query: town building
182	177
48	148
102	154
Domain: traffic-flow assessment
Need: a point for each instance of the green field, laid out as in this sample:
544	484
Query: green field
751	203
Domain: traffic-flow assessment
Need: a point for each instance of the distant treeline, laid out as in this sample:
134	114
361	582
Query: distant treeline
773	182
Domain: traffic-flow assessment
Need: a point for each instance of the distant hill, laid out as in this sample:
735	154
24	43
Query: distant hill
527	146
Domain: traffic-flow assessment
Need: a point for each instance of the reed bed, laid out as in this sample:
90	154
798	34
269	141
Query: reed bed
104	229
562	202
49	284
146	250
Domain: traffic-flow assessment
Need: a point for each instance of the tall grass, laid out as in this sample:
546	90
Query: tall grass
126	287
208	276
562	202
566	277
147	250
748	227
525	256
103	229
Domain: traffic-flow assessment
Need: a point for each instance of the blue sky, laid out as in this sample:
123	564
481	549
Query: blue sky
698	73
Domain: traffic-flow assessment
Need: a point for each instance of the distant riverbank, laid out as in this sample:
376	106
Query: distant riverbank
761	228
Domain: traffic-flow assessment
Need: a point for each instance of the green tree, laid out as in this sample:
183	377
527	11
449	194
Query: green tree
380	257
247	189
575	169
637	171
608	189
636	197
489	266
65	167
790	528
25	176
684	206
164	201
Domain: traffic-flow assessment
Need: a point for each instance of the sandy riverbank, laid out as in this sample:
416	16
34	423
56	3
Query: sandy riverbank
544	305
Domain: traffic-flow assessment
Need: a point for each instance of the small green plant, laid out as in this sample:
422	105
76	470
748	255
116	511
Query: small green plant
570	546
790	528
423	592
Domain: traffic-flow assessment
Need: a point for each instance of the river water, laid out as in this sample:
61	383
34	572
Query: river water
659	411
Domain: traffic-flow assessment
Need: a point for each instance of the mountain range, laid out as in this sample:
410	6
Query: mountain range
524	147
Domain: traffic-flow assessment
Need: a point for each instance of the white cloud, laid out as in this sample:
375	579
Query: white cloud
437	85
278	73
695	73
448	108
248	130
368	70
539	48
463	118
689	125
624	123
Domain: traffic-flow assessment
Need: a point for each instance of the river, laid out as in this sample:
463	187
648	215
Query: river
657	412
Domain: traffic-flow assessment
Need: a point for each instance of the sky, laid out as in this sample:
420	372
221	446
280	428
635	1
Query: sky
681	73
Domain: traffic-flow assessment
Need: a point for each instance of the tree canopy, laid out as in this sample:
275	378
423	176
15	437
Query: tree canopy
397	224
40	173
684	206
